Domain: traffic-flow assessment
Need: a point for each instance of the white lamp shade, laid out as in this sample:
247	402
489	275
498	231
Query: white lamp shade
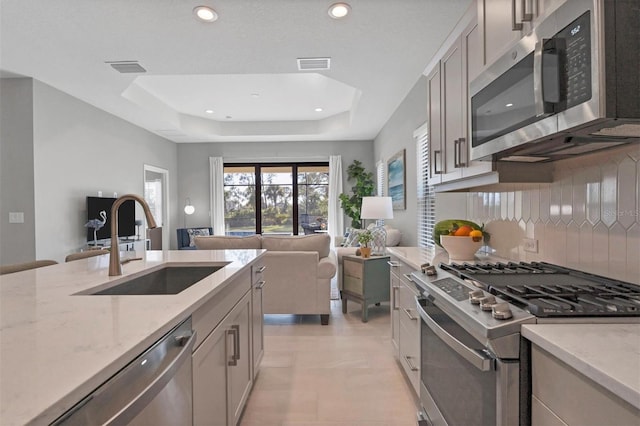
376	208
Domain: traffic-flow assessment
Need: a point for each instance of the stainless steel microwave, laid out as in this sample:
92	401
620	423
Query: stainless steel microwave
570	87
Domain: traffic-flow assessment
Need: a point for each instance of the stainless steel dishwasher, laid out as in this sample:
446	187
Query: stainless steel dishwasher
154	389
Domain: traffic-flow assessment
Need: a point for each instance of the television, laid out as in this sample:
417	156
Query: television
126	217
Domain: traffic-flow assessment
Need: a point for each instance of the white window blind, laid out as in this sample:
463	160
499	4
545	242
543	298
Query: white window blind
426	195
380	177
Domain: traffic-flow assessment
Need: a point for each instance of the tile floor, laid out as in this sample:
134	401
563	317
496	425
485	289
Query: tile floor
343	374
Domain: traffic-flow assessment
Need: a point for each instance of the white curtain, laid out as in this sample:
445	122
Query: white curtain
336	218
216	167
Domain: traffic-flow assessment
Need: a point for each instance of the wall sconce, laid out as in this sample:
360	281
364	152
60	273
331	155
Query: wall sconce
189	209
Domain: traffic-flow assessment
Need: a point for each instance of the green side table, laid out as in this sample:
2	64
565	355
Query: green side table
365	280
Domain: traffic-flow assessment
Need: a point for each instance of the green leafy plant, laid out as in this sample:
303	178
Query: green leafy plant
364	238
364	186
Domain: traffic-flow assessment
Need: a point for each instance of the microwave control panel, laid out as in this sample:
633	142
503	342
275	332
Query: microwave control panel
576	41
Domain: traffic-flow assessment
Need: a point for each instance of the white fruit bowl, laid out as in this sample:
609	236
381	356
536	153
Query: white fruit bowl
460	248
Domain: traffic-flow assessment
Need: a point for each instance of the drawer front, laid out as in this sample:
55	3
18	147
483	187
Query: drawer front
209	315
352	284
350	268
410	355
409	317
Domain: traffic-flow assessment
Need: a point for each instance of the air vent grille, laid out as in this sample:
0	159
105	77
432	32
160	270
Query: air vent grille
314	64
127	67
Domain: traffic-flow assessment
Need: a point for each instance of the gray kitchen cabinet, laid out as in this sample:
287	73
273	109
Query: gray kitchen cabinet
257	316
561	395
448	108
434	124
405	321
502	23
223	362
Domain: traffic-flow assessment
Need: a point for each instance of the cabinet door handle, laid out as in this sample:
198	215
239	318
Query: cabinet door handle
515	26
411	366
407	276
435	162
455	153
526	17
235	332
460	162
411	317
395	297
393	263
260	284
261	269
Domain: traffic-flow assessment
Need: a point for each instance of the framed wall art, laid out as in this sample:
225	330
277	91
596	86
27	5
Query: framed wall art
396	184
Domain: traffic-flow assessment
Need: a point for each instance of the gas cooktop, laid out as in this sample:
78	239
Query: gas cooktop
548	290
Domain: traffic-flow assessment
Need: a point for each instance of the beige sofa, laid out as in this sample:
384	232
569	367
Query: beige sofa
298	270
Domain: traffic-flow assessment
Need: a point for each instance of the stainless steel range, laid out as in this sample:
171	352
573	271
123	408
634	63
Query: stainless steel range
474	364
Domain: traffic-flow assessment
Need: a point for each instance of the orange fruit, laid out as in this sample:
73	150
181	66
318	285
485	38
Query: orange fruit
476	235
463	231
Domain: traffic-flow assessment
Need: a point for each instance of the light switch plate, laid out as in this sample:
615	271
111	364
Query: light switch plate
530	245
16	217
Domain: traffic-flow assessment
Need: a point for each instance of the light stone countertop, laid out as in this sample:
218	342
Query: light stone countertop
56	347
608	354
416	256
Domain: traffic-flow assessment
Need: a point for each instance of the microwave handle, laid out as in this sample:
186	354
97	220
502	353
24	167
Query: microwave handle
515	26
435	162
526	17
546	80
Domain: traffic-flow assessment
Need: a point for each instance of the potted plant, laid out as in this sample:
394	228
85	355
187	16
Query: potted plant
351	204
364	238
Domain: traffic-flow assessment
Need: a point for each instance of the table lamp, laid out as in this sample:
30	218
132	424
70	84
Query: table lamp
378	208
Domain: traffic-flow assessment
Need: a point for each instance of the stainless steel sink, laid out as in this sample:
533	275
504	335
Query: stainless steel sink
168	280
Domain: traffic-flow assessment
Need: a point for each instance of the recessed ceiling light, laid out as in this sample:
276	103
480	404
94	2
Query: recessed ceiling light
205	13
209	111
509	105
255	95
339	10
318	109
228	117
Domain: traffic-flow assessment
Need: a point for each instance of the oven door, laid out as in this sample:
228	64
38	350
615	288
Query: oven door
462	383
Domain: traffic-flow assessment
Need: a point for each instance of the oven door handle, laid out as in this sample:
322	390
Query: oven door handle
482	361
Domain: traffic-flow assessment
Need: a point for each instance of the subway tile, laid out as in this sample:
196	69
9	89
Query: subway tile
617	251
566	204
601	248
633	254
526	205
517	213
579	189
504	203
555	201
535	204
573	246
593	182
608	194
627	193
586	247
511	201
545	200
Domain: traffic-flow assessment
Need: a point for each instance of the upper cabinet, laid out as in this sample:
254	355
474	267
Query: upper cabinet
503	22
448	108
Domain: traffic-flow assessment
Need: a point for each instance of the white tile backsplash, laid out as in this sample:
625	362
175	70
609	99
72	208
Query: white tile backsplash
588	218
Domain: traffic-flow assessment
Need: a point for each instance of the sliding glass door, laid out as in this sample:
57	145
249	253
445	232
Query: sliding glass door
267	199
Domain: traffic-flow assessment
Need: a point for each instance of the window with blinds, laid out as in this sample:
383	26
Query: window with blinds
426	195
381	176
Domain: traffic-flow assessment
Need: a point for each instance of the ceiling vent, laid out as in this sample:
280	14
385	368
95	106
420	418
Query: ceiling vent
127	67
314	64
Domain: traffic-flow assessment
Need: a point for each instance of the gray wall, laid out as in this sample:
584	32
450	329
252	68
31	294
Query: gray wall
17	240
193	165
397	134
77	150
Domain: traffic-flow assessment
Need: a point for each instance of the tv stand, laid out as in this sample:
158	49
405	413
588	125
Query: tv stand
124	244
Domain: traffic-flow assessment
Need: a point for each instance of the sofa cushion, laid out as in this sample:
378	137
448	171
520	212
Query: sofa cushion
221	242
320	243
393	236
196	232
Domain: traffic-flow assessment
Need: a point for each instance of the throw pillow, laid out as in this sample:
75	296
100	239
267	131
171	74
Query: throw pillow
352	241
196	232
